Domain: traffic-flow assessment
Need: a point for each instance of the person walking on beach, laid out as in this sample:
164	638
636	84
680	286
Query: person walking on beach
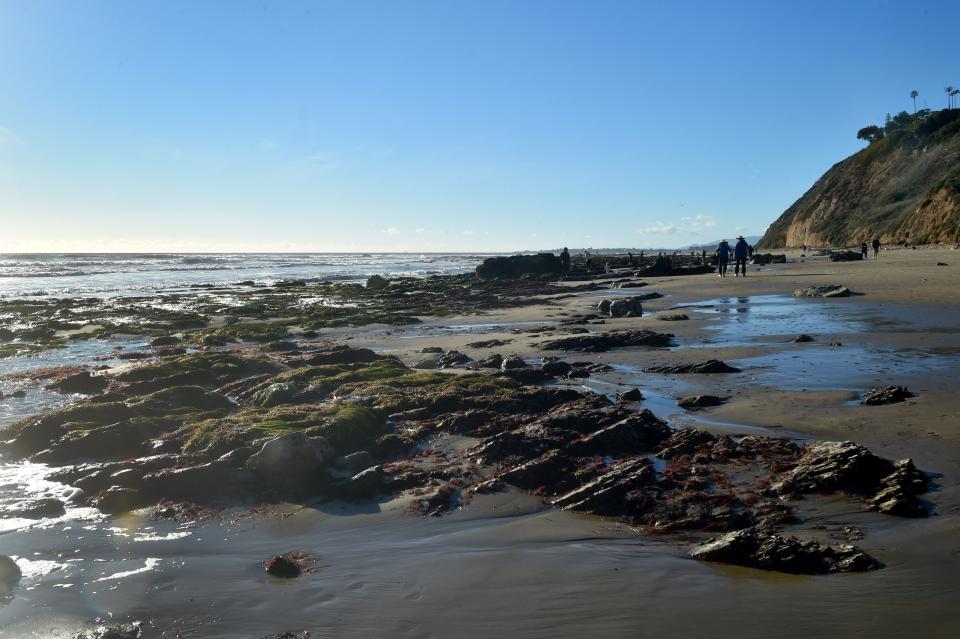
863	249
723	255
564	263
740	254
876	247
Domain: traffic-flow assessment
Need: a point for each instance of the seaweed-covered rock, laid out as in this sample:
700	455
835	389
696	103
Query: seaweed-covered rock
830	290
292	460
886	395
599	342
707	367
83	383
377	282
767	551
275	394
342	355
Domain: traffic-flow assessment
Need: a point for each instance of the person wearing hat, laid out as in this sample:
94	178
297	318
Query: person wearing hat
723	256
740	254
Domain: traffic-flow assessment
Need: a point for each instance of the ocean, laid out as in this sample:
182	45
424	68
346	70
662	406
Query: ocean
89	274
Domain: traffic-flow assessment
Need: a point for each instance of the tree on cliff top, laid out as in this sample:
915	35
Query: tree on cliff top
913	95
870	133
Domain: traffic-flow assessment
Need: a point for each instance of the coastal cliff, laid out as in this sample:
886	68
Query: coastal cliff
902	188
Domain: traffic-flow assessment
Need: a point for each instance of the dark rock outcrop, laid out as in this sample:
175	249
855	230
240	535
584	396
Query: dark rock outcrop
81	383
887	395
514	266
767	551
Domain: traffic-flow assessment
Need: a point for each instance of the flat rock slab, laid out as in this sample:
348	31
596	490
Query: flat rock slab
830	290
707	367
697	402
598	342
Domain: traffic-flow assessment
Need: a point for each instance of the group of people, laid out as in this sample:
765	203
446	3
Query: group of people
741	253
876	248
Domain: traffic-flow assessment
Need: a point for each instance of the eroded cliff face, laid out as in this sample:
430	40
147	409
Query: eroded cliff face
903	188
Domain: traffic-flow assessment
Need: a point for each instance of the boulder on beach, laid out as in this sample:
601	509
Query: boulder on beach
285	566
512	362
632	395
800	339
292	460
626	307
768	551
9	575
846	256
887	395
515	266
830	290
453	358
768	258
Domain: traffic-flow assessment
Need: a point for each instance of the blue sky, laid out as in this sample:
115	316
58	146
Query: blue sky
470	126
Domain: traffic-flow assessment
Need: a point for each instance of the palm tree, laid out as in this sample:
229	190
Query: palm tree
914	94
954	94
949	91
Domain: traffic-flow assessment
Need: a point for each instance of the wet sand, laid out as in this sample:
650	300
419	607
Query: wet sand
506	566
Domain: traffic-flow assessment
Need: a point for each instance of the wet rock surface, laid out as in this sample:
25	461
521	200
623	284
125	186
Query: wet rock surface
697	402
701	368
365	427
754	548
111	631
599	342
887	395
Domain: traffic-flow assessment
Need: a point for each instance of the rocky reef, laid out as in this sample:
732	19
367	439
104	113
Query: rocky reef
345	423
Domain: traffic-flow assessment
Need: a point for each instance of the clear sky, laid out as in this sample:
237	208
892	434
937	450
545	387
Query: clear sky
448	125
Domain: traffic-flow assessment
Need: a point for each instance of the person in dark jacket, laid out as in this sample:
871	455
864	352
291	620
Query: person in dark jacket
876	247
863	249
564	262
723	256
740	254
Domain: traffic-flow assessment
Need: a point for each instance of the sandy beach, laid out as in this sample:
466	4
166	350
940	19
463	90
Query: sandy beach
507	564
